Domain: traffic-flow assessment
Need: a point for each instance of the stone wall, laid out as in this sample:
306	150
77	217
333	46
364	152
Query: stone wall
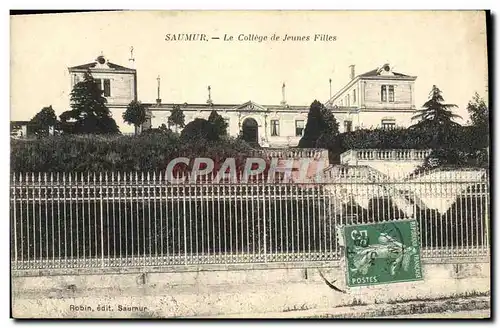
225	292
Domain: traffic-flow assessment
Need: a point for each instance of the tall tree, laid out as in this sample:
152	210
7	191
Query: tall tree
330	124
435	112
436	118
220	125
135	114
43	121
88	109
479	113
320	121
199	129
176	118
480	129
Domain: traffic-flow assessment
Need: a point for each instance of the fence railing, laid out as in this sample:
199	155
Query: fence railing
283	153
352	156
75	220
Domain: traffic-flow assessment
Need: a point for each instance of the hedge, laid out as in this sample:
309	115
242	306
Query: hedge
147	152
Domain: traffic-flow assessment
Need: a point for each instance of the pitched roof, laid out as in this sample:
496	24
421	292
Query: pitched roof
376	72
109	64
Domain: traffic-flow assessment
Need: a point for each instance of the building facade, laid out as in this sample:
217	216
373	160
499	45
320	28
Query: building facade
268	125
119	85
380	98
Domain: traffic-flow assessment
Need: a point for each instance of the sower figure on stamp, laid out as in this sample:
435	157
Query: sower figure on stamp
387	248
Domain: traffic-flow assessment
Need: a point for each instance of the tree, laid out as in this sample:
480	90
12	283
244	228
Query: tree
479	115
163	127
135	114
199	129
331	126
480	129
176	117
88	109
436	117
435	112
219	124
320	121
43	120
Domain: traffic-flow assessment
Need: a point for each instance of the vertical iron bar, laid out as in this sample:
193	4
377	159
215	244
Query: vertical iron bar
102	219
14	220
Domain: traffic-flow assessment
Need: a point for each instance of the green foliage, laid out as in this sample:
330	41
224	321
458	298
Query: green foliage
42	121
479	114
163	127
176	117
88	110
150	151
460	144
451	143
199	129
436	120
135	113
330	125
321	125
219	124
435	112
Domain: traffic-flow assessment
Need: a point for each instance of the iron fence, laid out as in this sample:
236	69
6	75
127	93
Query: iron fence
76	220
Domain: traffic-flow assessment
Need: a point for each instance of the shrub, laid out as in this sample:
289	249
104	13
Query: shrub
150	151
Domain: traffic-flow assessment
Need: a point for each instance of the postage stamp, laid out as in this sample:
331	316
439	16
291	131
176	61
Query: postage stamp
382	253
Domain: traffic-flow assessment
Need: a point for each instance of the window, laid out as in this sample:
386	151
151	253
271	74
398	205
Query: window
76	79
105	86
353	96
347	126
391	93
383	93
348	100
299	128
275	128
387	89
388	124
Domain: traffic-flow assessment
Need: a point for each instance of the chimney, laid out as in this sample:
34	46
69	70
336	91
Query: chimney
352	72
158	100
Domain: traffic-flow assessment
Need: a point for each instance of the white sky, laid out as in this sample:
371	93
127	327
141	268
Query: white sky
443	48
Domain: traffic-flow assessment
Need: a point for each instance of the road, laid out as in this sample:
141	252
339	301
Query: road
476	314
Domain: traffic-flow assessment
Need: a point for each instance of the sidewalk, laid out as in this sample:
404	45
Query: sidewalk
469	307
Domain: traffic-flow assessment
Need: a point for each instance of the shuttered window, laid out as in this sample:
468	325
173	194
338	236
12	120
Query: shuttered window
107	88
